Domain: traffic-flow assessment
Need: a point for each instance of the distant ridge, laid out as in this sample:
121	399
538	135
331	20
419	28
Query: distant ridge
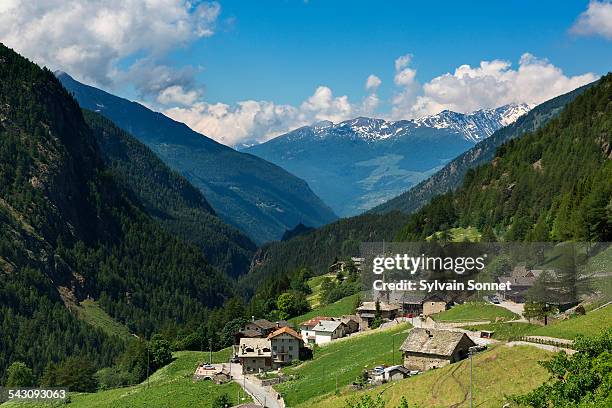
360	163
451	175
258	197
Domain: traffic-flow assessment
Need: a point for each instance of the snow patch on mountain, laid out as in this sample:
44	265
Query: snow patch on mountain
473	126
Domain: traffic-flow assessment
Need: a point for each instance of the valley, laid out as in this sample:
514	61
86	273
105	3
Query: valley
200	208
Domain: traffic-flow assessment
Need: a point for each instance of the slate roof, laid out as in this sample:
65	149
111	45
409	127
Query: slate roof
250	333
347	318
264	324
314	321
367	306
518	280
285	330
431	341
327	326
254	348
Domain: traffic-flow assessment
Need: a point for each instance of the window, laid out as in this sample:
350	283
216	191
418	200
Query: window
290	348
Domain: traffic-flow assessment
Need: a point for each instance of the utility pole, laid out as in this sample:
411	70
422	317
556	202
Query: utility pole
471	353
393	350
210	351
148	363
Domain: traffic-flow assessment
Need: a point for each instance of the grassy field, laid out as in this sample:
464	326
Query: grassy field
314	299
341	362
171	386
342	307
505	331
498	372
90	312
461	234
590	324
474	311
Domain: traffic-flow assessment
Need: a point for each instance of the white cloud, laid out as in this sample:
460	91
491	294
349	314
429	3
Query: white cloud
491	84
258	121
402	62
405	79
95	40
372	83
595	20
177	95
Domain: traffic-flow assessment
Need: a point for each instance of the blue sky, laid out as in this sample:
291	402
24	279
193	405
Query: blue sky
281	50
247	71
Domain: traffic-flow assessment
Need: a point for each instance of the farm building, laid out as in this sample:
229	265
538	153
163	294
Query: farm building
425	349
367	312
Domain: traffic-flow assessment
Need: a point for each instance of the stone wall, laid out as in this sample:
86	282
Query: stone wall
423	363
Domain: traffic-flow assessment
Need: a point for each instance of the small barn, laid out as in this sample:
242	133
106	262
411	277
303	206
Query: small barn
425	349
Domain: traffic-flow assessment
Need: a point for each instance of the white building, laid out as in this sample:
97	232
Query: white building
326	331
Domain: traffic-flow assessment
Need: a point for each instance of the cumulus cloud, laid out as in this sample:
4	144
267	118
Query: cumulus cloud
408	87
595	20
258	121
95	40
491	84
372	83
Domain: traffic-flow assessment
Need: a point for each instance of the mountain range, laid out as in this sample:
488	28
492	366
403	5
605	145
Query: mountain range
360	163
451	175
260	198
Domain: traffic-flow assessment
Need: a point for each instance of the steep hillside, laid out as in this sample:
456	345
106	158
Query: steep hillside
551	184
258	197
497	373
451	175
69	231
316	250
170	199
357	164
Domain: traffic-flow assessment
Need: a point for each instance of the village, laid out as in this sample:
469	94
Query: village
263	349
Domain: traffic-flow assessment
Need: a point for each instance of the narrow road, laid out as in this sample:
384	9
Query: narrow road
517	308
265	396
546	347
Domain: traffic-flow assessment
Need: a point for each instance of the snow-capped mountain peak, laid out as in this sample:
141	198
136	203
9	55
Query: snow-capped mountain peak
477	125
473	126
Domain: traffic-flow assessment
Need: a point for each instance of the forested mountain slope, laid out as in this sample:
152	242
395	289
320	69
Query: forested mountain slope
551	184
170	199
451	175
69	230
258	197
316	250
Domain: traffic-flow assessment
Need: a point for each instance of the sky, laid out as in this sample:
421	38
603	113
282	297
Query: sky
243	72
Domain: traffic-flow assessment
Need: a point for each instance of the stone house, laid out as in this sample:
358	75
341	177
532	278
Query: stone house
351	322
263	326
521	280
412	304
285	343
367	312
433	304
425	349
255	355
